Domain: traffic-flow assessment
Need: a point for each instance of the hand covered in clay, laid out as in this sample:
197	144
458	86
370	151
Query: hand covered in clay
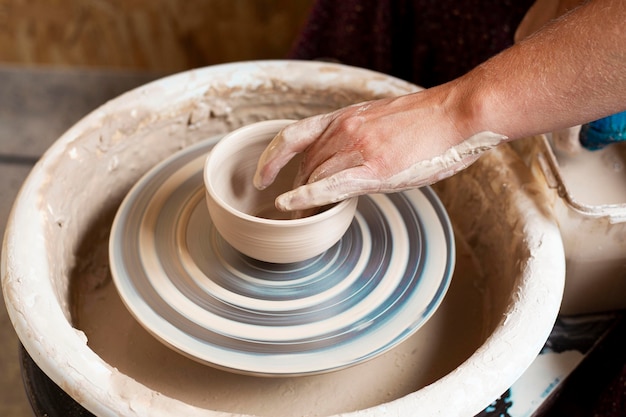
380	146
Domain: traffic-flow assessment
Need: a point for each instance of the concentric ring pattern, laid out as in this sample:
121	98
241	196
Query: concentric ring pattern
194	292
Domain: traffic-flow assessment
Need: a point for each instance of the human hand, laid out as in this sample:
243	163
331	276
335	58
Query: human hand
379	146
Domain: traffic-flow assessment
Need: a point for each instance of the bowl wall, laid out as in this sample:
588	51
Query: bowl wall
248	219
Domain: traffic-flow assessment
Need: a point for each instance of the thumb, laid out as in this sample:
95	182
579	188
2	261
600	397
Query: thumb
340	186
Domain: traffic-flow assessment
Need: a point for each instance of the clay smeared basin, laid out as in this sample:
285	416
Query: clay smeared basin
500	307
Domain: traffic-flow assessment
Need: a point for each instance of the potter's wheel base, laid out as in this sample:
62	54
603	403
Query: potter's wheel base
194	292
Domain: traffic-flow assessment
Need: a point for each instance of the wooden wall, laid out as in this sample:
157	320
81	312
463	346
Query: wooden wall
159	35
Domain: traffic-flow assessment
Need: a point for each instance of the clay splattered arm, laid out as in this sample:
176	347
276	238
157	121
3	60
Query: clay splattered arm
571	72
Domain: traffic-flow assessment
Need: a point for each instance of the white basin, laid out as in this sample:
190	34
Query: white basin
498	312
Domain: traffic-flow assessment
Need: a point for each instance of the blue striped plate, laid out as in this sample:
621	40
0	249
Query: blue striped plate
377	286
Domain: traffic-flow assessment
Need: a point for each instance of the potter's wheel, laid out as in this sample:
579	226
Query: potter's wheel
195	293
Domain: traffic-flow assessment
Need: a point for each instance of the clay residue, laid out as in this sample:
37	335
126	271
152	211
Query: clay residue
450	162
588	197
92	167
595	177
488	204
456	330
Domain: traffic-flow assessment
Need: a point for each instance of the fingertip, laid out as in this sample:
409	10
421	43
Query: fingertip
306	197
258	182
283	202
295	200
265	171
262	177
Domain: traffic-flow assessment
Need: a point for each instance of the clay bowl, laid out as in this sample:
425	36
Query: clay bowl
247	218
498	312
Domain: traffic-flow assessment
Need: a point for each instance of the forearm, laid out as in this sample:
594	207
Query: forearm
572	72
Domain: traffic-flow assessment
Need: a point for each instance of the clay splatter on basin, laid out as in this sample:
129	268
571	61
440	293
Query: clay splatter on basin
456	330
510	282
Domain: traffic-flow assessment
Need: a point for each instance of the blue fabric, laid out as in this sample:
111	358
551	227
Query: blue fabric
598	134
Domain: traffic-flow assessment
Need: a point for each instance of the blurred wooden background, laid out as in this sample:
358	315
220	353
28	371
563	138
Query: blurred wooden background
155	35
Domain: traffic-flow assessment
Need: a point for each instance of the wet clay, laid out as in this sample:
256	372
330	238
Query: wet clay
66	312
588	199
451	336
106	153
596	177
419	174
592	219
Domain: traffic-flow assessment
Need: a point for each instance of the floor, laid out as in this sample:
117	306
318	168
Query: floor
36	106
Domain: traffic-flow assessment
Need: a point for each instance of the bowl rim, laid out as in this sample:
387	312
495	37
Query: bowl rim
274	125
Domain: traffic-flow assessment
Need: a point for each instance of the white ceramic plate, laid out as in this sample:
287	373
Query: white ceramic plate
189	288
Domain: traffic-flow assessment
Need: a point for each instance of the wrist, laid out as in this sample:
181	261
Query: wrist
468	103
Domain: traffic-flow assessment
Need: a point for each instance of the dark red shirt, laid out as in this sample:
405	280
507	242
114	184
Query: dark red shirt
427	42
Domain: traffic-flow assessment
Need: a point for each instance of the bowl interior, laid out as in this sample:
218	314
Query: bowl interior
229	174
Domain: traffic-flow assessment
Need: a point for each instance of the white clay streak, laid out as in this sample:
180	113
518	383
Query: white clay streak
442	166
349	183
